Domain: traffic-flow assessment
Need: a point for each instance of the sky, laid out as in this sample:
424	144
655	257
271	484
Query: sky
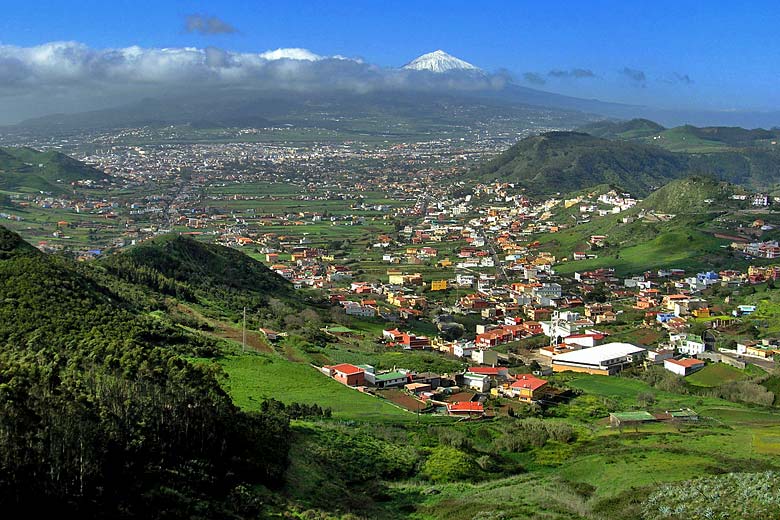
708	55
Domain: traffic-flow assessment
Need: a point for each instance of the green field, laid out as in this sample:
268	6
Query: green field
253	378
716	374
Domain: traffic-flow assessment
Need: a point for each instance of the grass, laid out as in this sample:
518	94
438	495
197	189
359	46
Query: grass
716	374
253	378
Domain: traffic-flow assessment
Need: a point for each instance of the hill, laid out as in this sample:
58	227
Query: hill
219	279
640	240
689	195
562	162
103	416
685	138
692	139
25	169
629	130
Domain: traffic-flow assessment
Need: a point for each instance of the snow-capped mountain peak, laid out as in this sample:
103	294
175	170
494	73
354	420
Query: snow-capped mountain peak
440	61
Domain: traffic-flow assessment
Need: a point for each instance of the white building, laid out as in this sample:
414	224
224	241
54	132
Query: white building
484	357
684	366
607	359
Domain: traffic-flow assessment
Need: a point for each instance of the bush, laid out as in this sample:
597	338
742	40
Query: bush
446	464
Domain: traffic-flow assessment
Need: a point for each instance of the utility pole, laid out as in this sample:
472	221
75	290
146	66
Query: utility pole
243	334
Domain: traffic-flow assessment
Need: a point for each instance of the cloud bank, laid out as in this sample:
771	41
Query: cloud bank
67	76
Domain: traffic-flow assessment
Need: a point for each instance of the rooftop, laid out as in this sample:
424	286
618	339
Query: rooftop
599	353
686	362
390	376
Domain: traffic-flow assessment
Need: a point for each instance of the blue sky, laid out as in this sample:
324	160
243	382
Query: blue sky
709	54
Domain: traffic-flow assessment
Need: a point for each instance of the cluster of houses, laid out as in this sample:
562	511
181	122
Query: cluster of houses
449	393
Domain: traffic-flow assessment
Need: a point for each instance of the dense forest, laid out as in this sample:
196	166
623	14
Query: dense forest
101	415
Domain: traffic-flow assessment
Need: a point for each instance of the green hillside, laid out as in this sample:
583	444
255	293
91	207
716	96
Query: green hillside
685	138
689	195
103	417
632	129
24	169
693	139
562	162
649	242
217	278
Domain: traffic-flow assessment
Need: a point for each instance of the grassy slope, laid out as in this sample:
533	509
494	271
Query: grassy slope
25	169
255	377
716	374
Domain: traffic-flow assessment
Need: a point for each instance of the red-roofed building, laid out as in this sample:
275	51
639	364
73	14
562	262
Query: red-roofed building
413	342
466	408
528	388
684	366
348	374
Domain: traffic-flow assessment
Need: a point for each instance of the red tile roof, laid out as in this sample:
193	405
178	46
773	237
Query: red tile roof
687	362
347	369
528	381
486	371
466	406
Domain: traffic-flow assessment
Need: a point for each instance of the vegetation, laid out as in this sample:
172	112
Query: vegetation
734	495
219	279
25	169
563	162
102	417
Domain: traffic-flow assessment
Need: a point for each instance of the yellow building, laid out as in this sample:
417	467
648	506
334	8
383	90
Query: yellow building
439	285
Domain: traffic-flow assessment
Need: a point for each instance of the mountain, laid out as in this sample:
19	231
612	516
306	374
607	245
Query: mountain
440	62
387	112
103	415
25	169
562	162
629	130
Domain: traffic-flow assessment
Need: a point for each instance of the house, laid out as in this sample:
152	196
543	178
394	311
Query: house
657	357
417	388
387	379
463	349
491	372
391	334
270	335
478	382
688	344
528	388
347	374
413	342
484	357
607	359
466	408
683	366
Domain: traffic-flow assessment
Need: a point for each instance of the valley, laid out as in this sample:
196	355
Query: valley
413	307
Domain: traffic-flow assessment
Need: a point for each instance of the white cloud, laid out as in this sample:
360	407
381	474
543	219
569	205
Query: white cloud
290	54
33	79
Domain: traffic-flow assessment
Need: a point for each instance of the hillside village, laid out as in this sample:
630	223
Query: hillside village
471	283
